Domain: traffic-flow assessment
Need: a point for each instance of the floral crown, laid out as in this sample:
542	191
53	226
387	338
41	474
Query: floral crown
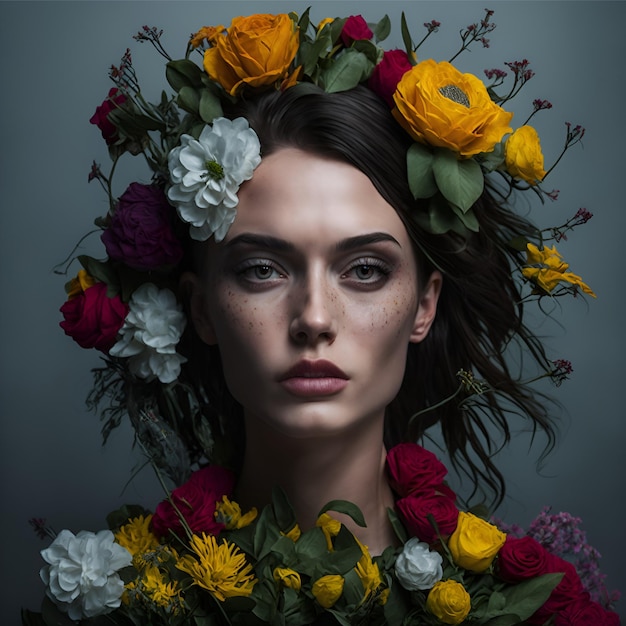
126	306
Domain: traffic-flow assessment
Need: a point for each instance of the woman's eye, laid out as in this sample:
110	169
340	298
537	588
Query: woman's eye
367	272
259	271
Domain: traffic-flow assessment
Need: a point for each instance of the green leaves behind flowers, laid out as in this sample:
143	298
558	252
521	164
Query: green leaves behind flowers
453	186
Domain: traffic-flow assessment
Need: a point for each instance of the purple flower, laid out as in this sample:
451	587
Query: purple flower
140	234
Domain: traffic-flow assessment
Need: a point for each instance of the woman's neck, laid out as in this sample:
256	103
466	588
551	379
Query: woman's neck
313	471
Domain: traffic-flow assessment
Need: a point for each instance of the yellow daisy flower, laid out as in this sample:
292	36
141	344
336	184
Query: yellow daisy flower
136	536
221	569
228	513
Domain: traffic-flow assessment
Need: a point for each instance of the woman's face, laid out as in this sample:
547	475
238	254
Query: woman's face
312	297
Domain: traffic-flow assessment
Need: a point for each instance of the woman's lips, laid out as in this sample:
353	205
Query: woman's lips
314	378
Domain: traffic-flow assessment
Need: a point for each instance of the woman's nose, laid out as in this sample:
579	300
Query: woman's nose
314	312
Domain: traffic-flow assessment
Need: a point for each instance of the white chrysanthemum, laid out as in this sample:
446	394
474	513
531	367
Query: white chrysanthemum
82	577
151	331
418	567
206	174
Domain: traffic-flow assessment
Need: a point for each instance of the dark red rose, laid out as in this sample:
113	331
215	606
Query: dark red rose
387	74
570	589
354	29
415	512
585	612
196	501
100	117
413	469
522	558
92	319
140	234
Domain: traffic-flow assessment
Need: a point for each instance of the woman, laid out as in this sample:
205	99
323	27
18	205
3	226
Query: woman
344	299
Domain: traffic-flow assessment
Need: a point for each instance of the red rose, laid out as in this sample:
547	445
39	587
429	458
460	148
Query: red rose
413	469
93	319
570	589
195	500
140	234
522	558
354	29
583	612
100	117
387	74
415	512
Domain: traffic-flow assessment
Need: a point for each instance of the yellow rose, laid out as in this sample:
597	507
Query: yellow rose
439	106
449	602
287	577
475	542
522	155
328	589
546	269
256	50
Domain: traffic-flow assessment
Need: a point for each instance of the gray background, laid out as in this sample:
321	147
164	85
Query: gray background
55	57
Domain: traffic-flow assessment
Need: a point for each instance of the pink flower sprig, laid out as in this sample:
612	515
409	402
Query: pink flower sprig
559	233
561	372
538	105
476	32
573	136
124	75
41	528
153	35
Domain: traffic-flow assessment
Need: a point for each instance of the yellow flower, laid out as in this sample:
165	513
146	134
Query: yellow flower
449	602
220	569
294	533
287	577
210	33
330	526
546	269
80	284
328	589
439	106
369	575
326	20
523	157
256	51
161	592
229	514
475	542
136	536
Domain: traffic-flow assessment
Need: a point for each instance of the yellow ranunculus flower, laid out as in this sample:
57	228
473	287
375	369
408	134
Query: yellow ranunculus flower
522	155
328	589
546	269
449	602
439	106
287	577
475	542
369	575
80	284
256	50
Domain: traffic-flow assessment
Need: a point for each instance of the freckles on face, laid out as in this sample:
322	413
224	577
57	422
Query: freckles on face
316	267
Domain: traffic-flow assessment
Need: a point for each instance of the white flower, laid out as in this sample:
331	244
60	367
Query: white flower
206	174
417	567
151	330
82	577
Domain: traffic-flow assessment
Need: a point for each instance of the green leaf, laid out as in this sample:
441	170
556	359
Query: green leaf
309	52
189	99
382	29
419	163
102	272
126	512
460	181
406	36
283	511
525	598
183	73
519	243
373	53
467	219
346	72
397	526
209	106
347	508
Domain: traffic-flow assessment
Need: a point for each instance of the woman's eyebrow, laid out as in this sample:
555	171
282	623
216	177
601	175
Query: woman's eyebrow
261	241
363	240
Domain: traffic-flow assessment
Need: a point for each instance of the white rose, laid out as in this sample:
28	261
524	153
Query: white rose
81	575
417	567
